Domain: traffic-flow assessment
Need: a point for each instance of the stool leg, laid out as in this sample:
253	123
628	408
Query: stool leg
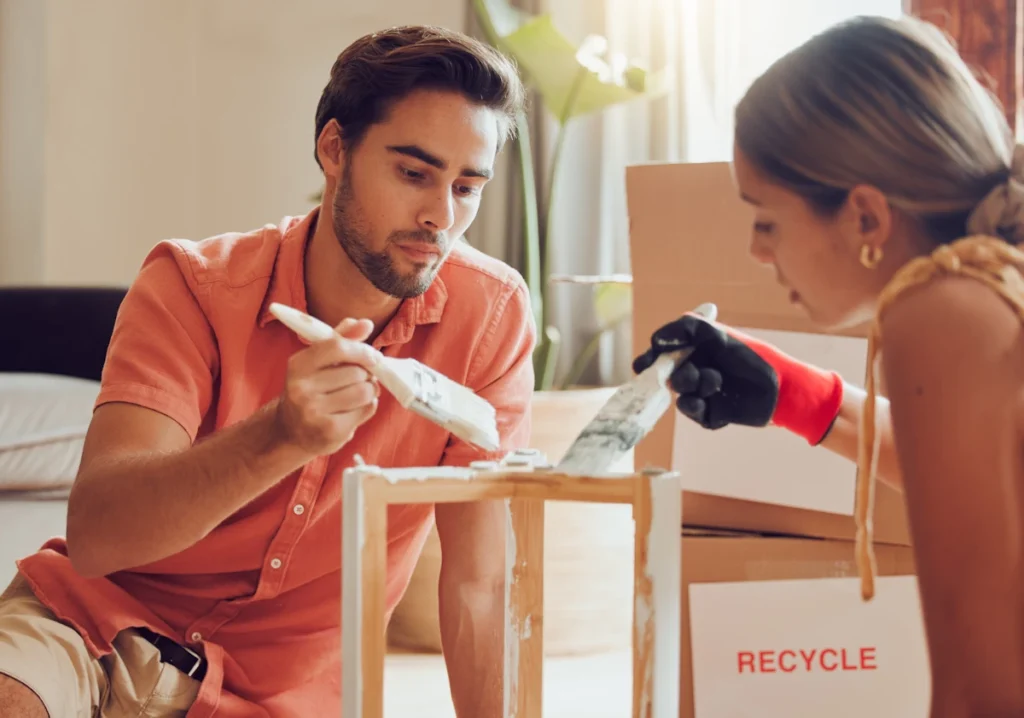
524	608
657	510
364	570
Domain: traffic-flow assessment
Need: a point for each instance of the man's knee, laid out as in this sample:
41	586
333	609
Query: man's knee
18	700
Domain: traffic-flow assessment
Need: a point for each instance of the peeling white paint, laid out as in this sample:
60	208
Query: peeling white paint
416	473
511	673
353	539
517	460
664	570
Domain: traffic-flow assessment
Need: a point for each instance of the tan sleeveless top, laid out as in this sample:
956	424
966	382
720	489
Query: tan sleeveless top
988	259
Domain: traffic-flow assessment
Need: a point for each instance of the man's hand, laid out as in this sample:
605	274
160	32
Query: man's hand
329	391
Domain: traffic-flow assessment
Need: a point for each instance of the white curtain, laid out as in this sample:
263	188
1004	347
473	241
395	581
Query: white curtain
712	50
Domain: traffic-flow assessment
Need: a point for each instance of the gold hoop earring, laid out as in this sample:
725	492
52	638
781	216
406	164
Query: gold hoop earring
870	256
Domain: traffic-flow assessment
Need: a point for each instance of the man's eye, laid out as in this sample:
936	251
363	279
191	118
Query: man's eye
763	227
412	174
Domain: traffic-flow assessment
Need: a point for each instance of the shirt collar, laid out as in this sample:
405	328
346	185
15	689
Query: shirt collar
288	286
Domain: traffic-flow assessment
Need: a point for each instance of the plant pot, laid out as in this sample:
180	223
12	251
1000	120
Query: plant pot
588	553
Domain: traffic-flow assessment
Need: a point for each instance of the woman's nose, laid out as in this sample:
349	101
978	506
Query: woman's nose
760	250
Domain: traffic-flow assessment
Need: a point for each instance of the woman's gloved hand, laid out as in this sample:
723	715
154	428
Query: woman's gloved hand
732	378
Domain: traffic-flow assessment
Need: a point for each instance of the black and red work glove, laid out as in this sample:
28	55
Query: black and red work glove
732	378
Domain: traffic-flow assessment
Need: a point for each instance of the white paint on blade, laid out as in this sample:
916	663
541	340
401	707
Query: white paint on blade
627	418
467	422
629	415
447	403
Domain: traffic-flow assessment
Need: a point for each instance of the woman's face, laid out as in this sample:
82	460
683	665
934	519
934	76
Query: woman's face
816	258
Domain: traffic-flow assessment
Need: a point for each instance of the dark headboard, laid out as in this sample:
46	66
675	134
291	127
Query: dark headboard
57	330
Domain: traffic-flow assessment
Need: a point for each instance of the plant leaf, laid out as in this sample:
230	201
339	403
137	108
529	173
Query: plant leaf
613	303
498	18
555	66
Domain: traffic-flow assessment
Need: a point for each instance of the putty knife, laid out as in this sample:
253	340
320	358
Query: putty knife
629	415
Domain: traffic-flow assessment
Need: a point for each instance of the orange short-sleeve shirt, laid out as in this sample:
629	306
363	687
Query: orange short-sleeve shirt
260	596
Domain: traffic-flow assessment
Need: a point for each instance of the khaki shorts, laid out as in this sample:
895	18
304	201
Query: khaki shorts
50	658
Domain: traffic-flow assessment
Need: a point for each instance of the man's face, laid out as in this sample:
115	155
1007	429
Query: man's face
411	187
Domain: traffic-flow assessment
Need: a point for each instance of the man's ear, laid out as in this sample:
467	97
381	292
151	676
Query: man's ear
330	150
867	218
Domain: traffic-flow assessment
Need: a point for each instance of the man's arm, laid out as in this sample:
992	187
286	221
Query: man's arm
471	600
954	364
143	491
471	586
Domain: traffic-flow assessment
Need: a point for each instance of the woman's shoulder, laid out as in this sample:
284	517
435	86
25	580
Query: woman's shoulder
954	335
954	315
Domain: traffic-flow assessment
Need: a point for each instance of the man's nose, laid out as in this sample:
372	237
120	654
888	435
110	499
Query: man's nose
439	213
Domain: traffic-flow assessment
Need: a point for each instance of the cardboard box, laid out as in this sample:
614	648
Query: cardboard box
688	243
775	628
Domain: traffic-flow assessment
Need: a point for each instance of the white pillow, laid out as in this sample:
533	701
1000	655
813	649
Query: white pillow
43	420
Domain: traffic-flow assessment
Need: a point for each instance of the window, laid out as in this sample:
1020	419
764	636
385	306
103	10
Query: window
728	43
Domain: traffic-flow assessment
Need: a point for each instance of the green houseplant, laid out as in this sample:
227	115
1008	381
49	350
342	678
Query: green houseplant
588	548
571	81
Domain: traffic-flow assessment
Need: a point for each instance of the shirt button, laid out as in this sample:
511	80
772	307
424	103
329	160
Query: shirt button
275	563
196	636
298	509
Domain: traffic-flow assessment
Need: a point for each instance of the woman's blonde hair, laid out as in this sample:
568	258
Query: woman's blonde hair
888	103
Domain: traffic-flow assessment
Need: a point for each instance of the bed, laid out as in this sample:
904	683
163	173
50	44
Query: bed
53	342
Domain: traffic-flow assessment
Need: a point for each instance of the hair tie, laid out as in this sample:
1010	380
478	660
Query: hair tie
1001	211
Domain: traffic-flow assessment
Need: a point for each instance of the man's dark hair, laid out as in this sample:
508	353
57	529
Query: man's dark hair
379	69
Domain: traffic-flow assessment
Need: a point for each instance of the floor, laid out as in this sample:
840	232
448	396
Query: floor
596	686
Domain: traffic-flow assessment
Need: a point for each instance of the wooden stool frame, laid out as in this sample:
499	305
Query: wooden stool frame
525	482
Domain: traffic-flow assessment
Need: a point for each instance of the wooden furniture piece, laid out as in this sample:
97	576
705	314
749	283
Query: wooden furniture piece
588	553
524	481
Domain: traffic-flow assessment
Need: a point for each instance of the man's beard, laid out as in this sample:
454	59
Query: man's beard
378	267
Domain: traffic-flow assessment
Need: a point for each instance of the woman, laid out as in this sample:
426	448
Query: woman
866	154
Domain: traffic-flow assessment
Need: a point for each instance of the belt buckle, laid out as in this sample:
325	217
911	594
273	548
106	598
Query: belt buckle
195	666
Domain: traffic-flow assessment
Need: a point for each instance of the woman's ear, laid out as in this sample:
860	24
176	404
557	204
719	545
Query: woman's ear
867	218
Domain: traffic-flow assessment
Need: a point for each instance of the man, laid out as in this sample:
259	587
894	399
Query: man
201	571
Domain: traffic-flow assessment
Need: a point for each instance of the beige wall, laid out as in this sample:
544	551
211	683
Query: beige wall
125	122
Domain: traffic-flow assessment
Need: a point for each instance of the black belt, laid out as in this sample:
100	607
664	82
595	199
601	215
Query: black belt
181	657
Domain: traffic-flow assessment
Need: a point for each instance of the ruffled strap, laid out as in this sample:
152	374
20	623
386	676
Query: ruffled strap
990	260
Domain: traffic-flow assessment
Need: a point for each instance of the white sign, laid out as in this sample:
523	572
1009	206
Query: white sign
808	649
770	464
